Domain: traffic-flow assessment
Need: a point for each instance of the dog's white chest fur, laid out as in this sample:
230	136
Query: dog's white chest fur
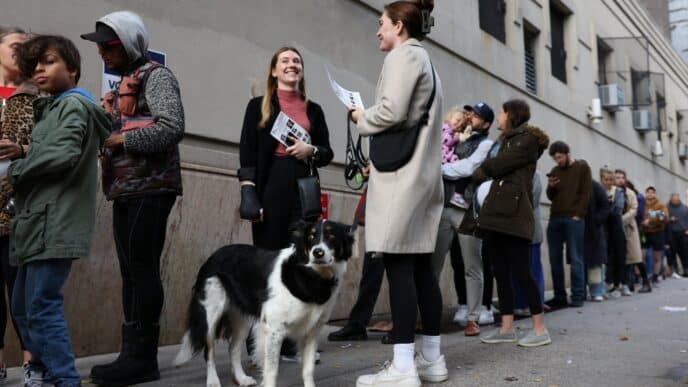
285	312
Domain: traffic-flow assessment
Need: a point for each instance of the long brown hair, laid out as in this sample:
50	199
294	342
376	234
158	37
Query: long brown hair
518	112
271	86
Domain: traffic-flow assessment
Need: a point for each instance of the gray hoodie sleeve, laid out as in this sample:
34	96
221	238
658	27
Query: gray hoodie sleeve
165	105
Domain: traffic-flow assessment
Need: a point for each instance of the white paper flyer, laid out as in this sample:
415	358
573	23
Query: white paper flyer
285	127
351	99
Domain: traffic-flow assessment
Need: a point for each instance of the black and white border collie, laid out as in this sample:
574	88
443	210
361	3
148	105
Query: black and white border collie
285	293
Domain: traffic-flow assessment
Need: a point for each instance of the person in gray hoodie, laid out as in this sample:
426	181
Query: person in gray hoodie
142	176
678	234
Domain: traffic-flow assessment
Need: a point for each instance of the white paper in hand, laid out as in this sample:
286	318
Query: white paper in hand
285	127
351	99
4	164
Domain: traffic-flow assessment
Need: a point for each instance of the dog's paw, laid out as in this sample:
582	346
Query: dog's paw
213	382
246	381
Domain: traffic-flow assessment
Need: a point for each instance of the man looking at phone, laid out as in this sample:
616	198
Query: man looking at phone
569	187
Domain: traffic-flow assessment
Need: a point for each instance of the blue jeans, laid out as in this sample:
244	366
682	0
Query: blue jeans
521	302
566	230
595	276
37	304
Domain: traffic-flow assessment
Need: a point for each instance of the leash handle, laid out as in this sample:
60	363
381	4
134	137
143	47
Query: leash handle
355	159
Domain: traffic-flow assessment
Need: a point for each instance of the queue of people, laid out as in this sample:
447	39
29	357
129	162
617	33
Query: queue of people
462	192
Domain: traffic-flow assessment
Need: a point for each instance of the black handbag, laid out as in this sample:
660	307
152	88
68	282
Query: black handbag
393	148
309	195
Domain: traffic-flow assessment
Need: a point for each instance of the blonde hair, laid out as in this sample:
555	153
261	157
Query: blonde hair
452	113
606	170
271	86
5	31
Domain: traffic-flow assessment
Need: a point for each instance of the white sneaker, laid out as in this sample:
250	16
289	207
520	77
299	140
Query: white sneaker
32	378
433	372
461	315
615	293
626	291
675	275
598	298
390	377
486	317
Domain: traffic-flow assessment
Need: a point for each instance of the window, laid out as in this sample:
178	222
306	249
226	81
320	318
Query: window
530	38
640	84
557	19
604	54
492	18
661	112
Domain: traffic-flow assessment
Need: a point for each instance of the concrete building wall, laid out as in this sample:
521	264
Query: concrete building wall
220	50
659	12
678	18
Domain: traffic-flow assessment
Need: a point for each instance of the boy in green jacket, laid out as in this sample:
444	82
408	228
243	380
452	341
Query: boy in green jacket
55	189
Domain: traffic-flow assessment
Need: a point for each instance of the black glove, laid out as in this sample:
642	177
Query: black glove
250	205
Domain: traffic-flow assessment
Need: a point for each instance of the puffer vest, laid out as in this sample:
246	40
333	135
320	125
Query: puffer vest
127	175
463	150
466	148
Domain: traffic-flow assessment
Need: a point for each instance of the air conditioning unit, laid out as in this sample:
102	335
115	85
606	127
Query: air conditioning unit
612	97
643	120
682	151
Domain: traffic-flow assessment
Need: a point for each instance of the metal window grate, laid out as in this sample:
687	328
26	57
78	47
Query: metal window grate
531	69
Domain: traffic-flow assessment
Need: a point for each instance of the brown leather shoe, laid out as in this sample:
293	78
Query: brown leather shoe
472	329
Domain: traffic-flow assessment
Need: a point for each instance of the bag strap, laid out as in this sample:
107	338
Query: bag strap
311	167
426	115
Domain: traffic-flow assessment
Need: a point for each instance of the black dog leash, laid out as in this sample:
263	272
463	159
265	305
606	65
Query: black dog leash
355	159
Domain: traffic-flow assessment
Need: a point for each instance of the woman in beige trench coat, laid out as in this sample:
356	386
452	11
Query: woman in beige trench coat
404	206
634	255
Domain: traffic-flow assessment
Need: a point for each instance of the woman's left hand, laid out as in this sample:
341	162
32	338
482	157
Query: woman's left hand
356	114
300	149
10	150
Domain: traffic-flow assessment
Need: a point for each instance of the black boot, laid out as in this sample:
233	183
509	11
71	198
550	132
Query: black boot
350	332
128	332
140	364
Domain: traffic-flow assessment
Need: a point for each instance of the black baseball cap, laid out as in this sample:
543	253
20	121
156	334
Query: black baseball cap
482	110
103	34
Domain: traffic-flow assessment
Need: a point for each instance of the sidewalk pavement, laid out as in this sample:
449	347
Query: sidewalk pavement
629	342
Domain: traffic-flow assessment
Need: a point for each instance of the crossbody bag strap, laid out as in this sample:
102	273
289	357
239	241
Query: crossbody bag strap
434	88
426	114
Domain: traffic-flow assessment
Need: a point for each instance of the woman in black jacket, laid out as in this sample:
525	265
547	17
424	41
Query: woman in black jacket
269	169
505	220
596	248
